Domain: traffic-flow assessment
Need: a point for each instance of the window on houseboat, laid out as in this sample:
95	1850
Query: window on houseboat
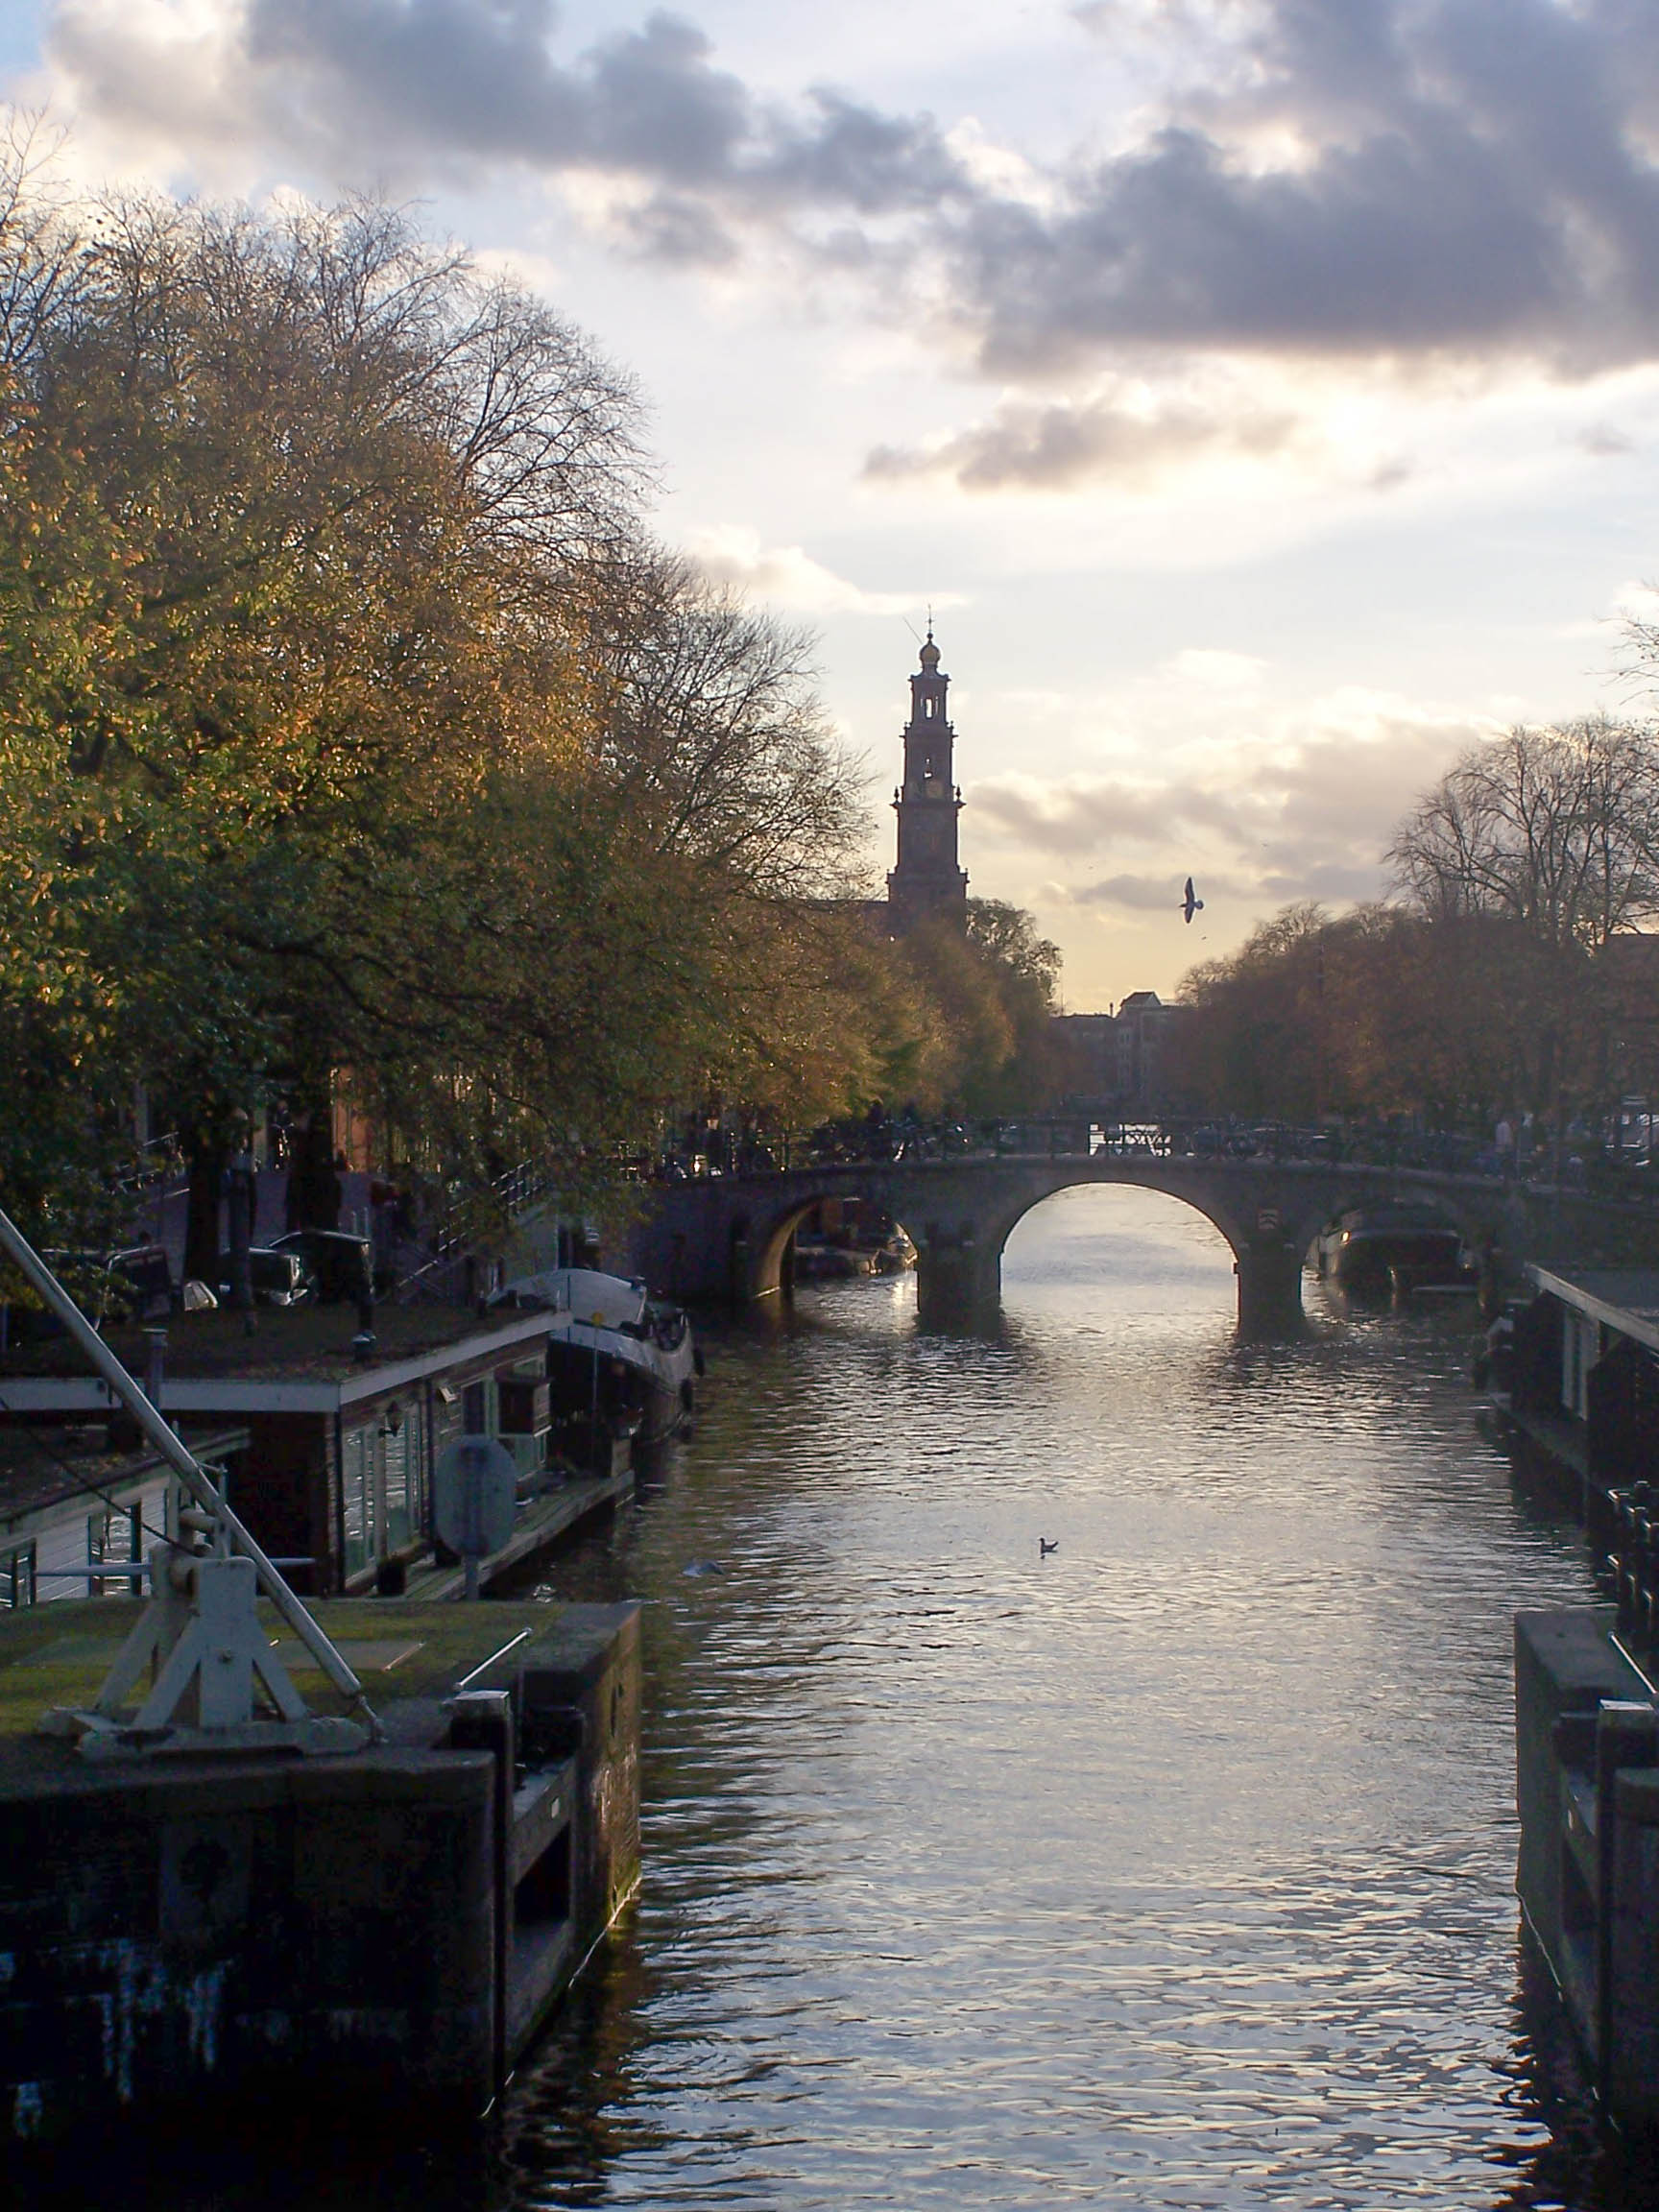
400	1436
114	1532
16	1576
357	1488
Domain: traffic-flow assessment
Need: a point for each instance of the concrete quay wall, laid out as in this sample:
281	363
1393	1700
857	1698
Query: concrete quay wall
261	1927
379	1935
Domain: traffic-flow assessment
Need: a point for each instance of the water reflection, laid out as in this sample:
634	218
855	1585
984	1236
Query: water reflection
1174	1868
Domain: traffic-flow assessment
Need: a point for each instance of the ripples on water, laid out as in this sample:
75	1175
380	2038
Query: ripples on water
1174	1869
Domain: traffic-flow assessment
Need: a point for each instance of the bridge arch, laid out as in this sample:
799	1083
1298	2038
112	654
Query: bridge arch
726	1238
1001	1226
775	1228
1266	1256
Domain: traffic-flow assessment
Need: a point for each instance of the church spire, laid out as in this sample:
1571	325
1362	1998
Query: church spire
928	879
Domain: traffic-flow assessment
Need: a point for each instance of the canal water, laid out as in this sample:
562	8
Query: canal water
1171	1869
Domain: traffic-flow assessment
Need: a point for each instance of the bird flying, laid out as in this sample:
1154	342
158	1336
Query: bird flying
1190	902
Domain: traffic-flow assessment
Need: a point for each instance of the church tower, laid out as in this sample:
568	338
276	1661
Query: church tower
928	879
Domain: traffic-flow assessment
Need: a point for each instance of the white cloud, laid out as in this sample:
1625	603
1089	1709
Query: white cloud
523	266
732	553
1207	669
1635	600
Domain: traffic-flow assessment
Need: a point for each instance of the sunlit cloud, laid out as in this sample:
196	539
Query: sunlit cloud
788	576
1087	816
1063	445
1301	802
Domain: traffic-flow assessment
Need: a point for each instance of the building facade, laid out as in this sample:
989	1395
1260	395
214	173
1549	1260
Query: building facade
1118	1059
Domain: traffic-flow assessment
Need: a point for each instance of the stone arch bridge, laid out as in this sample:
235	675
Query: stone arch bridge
728	1238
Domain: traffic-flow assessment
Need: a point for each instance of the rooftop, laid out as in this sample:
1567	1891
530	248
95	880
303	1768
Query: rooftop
289	1343
1626	1298
41	1464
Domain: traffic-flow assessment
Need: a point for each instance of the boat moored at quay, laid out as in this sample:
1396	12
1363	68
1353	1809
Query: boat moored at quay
1573	1372
344	1859
612	1350
1375	1250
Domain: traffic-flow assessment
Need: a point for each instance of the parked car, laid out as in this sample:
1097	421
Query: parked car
139	1283
133	1285
342	1264
278	1278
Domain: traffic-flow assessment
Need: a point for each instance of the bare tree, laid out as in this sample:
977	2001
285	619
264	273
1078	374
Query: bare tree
713	731
1552	837
1555	828
41	253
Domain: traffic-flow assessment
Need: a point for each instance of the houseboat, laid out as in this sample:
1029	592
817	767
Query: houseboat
1575	1372
1380	1249
342	1428
613	1351
81	1504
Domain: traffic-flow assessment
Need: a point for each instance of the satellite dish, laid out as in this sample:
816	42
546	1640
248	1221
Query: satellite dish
474	1496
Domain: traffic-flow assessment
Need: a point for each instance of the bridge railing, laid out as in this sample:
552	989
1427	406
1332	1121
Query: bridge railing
906	1141
1063	1136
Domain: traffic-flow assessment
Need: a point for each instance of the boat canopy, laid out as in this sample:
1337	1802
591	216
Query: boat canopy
602	1301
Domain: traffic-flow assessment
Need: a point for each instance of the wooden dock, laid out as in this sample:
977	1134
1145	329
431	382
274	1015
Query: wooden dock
540	1525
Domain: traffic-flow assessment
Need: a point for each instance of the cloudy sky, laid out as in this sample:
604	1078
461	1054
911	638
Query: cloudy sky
1263	392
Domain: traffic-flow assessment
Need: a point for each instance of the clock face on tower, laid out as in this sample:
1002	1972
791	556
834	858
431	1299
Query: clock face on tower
927	879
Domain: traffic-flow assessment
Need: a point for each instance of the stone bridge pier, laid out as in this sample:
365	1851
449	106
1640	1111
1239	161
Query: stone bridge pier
959	1285
727	1239
959	1244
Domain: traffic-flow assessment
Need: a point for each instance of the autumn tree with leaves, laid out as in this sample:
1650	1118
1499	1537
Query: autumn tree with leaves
352	727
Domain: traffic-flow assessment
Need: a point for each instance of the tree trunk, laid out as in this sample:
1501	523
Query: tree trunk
206	1157
314	1188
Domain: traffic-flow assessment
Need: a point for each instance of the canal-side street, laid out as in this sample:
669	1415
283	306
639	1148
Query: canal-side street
1173	1869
